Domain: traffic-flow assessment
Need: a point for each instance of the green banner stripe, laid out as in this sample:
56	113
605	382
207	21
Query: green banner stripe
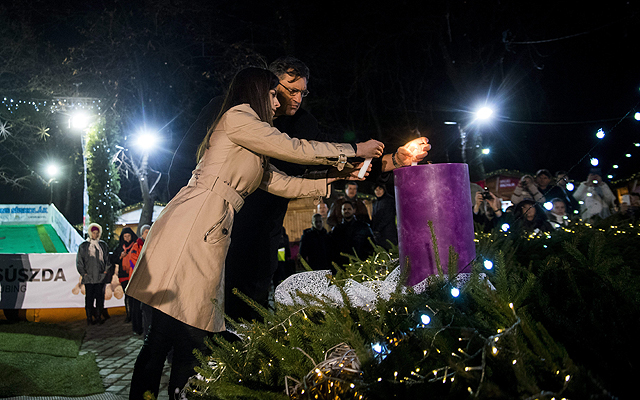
48	245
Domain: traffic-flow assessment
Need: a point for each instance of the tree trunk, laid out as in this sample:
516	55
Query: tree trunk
146	214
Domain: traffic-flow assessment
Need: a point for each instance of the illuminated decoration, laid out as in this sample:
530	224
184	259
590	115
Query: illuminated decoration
595	162
637	144
570	186
548	206
615	166
600	134
56	104
505	227
486	151
637	116
488	264
452	346
628	155
4	130
455	292
338	376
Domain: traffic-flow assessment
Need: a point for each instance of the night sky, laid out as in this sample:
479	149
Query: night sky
554	74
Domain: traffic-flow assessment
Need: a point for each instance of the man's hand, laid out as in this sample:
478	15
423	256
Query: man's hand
413	151
350	174
369	149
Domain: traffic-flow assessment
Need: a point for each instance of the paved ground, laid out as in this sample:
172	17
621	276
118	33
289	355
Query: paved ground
116	349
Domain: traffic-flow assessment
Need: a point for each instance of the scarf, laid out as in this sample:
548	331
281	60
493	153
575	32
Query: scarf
95	250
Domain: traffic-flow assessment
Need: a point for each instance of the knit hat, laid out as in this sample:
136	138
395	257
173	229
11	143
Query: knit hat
144	227
93	226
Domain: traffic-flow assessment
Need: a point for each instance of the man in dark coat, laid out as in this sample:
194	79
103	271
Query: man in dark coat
350	236
315	246
350	195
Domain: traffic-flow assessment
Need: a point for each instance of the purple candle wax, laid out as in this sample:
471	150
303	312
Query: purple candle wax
440	193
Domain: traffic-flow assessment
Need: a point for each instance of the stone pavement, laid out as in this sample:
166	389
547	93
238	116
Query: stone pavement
116	349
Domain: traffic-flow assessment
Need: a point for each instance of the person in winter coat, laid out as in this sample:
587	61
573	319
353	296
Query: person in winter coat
121	258
383	220
180	272
92	262
138	323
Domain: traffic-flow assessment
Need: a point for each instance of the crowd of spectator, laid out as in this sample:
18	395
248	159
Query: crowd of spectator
352	232
540	203
545	202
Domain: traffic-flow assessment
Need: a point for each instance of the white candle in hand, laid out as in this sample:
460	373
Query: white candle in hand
364	168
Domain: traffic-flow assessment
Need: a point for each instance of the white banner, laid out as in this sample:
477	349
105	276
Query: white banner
32	281
24	213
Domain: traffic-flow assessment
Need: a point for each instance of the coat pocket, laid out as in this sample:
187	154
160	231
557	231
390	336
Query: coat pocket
222	228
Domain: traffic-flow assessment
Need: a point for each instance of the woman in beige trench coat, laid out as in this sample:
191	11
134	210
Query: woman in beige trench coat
180	271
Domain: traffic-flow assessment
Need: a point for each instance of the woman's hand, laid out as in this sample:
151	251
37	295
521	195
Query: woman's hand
350	174
369	149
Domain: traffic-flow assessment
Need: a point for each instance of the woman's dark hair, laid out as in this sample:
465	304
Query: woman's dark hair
539	219
130	231
249	86
519	210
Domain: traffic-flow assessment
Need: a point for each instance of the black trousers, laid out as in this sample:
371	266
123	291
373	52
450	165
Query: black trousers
94	294
164	334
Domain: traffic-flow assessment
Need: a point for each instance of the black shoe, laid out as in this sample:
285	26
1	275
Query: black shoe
89	321
127	319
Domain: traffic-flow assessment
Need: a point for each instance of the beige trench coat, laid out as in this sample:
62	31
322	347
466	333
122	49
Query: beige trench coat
180	270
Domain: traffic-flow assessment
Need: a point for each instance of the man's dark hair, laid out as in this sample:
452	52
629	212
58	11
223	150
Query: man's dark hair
350	183
351	203
544	172
290	66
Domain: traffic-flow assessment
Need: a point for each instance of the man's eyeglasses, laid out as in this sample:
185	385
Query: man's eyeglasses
294	92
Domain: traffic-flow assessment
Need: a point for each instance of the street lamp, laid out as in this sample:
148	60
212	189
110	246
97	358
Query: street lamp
472	143
484	113
51	171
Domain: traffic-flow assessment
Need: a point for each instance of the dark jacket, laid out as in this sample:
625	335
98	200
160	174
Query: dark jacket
92	269
315	248
383	222
350	236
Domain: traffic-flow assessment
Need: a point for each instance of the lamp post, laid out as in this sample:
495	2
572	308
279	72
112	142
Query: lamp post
52	171
471	143
146	140
80	121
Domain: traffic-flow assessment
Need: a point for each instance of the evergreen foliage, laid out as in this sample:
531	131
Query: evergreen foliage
102	178
556	320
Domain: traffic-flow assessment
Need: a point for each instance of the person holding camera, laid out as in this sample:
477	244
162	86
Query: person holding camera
527	190
597	199
487	210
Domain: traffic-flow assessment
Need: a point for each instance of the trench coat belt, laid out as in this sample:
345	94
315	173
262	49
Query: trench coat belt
219	187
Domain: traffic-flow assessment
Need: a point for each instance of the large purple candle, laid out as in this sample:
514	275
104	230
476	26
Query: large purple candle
439	193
